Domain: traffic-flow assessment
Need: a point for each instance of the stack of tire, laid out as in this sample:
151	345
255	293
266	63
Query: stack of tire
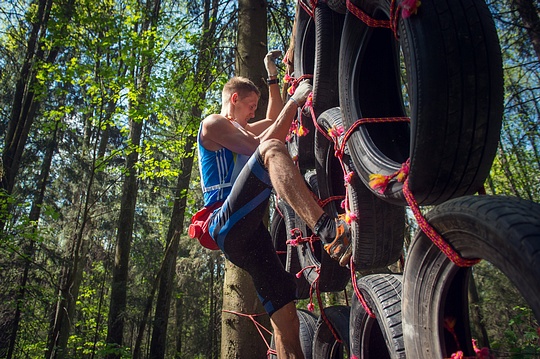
442	69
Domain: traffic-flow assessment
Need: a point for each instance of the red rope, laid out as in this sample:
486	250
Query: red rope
324	202
258	326
371	22
306	7
359	294
435	237
315	284
408	8
294	82
324	317
366	19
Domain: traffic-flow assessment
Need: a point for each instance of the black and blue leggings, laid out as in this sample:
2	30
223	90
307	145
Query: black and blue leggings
238	229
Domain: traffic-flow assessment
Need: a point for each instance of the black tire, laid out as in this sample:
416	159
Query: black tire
325	345
283	221
380	337
316	53
504	231
330	277
454	97
378	232
339	6
308	323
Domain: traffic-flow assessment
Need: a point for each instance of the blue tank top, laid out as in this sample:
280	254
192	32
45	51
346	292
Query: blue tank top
218	170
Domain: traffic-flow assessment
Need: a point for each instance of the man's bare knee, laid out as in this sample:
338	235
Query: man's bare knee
270	148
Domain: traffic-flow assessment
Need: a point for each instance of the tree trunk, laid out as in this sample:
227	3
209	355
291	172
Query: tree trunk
117	306
99	318
20	121
239	336
123	245
72	270
29	250
158	343
166	283
25	106
70	283
477	320
149	302
252	47
179	326
176	226
238	333
211	299
529	15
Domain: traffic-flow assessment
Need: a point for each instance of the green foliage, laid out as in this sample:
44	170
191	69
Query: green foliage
517	167
510	324
92	93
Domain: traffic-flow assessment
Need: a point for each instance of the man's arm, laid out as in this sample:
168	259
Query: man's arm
218	132
275	103
280	128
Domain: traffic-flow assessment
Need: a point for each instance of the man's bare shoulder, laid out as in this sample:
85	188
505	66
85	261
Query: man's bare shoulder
209	129
214	119
218	132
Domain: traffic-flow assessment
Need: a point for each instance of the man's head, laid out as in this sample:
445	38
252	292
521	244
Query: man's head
239	98
241	85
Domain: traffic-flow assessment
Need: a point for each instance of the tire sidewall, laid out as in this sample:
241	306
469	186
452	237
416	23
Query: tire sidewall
496	229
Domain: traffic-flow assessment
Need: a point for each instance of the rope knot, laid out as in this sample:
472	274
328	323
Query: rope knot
309	100
380	182
292	242
336	131
302	131
403	172
348	177
481	353
294	82
409	7
350	217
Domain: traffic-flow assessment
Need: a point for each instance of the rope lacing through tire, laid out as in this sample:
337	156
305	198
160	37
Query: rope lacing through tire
359	294
380	182
408	8
298	240
308	7
339	137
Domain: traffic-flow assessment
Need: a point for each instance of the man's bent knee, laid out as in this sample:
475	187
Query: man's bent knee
270	148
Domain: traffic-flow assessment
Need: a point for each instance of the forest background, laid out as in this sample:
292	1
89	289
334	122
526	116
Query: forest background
99	107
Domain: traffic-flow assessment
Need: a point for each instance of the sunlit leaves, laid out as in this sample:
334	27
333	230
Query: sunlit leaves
516	169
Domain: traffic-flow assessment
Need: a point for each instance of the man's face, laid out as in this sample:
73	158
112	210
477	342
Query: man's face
245	108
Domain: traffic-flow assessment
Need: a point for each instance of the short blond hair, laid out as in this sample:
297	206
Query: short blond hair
241	85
